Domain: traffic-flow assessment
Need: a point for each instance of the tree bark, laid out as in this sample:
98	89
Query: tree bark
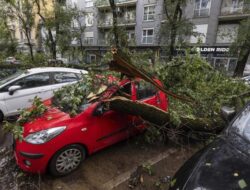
177	16
50	35
159	117
240	67
115	29
27	34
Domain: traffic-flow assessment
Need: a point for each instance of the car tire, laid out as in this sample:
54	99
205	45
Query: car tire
67	160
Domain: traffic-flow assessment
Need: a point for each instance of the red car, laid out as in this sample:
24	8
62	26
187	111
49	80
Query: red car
59	143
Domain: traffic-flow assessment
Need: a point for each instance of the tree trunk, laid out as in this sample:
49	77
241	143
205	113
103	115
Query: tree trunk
115	29
159	117
240	67
27	34
82	48
51	39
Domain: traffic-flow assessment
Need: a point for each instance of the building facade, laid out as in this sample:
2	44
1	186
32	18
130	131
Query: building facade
216	20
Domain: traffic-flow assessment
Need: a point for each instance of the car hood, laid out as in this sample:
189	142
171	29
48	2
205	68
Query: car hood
53	117
222	166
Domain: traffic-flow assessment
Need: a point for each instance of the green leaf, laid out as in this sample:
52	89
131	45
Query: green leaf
242	183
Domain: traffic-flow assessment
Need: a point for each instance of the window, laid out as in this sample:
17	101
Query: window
75	23
131	36
65	77
225	65
201	31
89	19
227	33
125	90
232	7
147	36
91	58
149	13
89	38
89	3
237	5
72	3
32	81
202	8
145	90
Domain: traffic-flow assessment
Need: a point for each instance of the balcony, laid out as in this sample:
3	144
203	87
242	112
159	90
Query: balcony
104	4
125	2
235	12
201	12
103	42
105	23
121	22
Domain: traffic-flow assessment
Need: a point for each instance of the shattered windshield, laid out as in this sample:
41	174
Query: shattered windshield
241	125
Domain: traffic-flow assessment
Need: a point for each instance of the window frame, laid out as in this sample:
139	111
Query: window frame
197	37
13	83
150	87
54	80
146	13
200	9
87	2
89	15
147	36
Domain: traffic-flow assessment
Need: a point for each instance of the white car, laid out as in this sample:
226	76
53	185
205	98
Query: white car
18	91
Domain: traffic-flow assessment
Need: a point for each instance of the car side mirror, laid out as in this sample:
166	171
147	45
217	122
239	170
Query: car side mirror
228	113
12	89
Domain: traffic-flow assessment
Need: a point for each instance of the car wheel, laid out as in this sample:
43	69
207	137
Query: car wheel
67	160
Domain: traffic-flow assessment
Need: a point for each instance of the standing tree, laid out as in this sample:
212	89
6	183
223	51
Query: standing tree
78	29
7	39
241	46
22	11
56	20
175	27
47	18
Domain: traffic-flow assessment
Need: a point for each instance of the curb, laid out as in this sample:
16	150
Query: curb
125	176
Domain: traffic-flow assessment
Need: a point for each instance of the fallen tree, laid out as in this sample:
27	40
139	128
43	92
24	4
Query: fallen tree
160	117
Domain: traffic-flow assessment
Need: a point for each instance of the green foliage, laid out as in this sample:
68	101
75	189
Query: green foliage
210	90
175	28
71	98
27	115
148	169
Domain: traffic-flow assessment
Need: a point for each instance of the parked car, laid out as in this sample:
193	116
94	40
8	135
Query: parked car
224	164
12	60
246	79
61	143
18	90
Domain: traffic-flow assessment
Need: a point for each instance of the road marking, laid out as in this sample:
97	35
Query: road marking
125	176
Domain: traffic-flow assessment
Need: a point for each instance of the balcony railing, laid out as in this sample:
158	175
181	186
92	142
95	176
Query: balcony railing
102	3
103	42
201	12
105	3
121	22
231	10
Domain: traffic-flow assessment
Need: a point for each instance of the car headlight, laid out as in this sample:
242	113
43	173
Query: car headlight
44	136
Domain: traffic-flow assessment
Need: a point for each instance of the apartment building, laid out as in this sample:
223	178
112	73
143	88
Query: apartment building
216	20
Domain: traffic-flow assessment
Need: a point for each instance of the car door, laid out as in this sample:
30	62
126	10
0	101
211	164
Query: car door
113	126
63	78
31	86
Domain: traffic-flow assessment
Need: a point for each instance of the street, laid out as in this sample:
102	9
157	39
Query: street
102	168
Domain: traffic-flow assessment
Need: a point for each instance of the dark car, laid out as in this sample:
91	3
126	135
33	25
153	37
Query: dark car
222	165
